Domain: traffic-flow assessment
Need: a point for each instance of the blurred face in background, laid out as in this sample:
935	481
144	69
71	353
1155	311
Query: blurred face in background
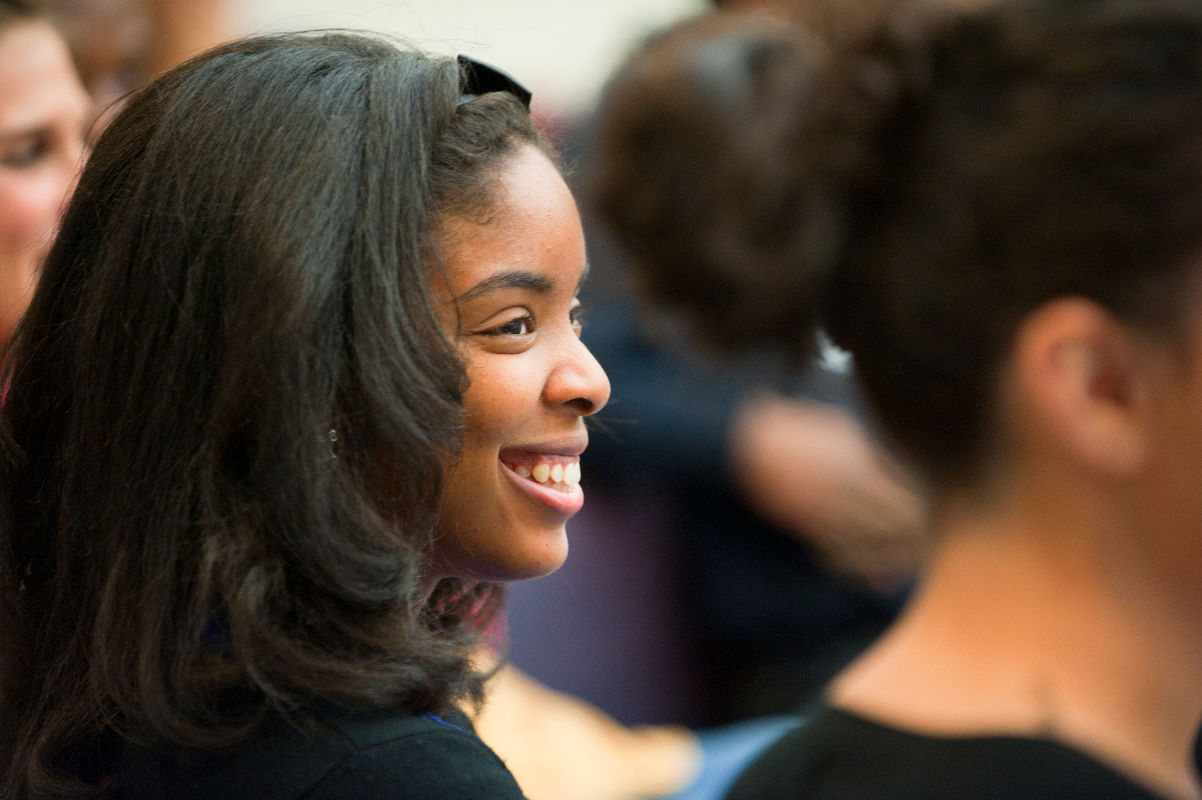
43	113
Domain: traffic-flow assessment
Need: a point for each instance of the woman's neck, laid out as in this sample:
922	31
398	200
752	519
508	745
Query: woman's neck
1043	630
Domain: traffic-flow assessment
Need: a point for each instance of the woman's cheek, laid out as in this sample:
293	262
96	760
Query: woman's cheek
29	210
499	397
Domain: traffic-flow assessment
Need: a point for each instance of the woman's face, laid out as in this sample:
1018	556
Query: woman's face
43	112
509	303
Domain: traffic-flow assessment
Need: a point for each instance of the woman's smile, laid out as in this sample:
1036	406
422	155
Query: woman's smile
550	475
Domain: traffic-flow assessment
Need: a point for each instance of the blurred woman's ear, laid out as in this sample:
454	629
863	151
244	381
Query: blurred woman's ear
1079	389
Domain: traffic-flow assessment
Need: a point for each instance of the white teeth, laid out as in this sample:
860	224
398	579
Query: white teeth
557	473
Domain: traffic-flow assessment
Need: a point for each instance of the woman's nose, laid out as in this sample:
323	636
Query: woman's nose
578	381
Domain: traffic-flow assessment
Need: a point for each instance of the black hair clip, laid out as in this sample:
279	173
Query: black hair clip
480	78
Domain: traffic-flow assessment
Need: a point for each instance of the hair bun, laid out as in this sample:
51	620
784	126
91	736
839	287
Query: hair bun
733	150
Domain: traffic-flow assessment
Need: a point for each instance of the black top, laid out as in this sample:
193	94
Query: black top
348	755
837	755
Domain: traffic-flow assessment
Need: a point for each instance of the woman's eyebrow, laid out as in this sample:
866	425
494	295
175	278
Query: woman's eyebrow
515	279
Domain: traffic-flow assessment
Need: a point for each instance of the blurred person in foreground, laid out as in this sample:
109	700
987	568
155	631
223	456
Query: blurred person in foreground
998	213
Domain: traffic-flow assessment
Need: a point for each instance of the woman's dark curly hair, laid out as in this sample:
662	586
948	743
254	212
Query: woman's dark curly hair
229	405
914	180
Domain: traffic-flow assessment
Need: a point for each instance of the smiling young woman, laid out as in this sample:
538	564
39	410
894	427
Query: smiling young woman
309	313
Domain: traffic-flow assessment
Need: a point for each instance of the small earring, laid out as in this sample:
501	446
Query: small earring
332	438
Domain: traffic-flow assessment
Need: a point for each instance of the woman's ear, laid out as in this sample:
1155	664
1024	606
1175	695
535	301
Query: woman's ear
1083	386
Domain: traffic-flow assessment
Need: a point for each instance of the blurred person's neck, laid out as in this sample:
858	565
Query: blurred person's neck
1046	619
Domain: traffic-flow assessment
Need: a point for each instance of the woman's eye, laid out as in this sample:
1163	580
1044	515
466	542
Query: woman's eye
25	153
577	315
518	327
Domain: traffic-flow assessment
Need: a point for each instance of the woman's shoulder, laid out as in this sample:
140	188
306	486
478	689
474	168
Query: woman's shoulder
337	753
838	755
414	758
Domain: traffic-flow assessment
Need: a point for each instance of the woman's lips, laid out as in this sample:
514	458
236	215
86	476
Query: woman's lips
552	480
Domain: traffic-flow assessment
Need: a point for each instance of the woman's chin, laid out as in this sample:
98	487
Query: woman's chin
534	560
